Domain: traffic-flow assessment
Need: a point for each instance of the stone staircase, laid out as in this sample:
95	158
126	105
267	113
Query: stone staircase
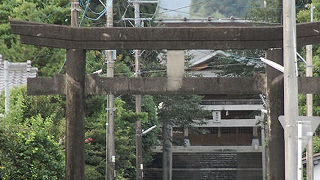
210	166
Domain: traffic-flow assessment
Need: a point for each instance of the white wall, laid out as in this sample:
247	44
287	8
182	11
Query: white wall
317	172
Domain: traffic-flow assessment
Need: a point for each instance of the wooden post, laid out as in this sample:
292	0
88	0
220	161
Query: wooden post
75	89
275	144
167	152
309	104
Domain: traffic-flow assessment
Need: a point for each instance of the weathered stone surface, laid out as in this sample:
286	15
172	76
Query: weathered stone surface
309	85
122	85
104	86
174	38
275	104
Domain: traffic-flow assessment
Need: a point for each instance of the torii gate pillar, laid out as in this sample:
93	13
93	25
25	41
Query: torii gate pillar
275	108
75	93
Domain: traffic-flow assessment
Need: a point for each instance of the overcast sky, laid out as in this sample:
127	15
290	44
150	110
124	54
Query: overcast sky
166	7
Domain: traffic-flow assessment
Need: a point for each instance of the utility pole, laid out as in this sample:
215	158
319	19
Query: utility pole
75	102
290	90
309	154
111	152
139	160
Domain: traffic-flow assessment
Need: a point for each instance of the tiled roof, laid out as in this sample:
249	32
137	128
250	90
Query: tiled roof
18	74
203	56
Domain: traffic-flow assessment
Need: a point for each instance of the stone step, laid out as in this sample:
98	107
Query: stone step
207	166
250	174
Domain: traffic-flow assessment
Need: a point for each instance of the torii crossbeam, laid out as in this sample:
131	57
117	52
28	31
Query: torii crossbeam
202	86
65	37
172	38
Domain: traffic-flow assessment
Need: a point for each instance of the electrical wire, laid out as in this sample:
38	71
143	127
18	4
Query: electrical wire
86	5
123	15
156	11
96	19
170	10
104	5
258	7
65	60
85	10
235	57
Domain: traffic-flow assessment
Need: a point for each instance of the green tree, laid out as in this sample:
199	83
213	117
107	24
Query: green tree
219	9
29	151
23	107
180	111
124	136
304	16
55	12
29	141
272	13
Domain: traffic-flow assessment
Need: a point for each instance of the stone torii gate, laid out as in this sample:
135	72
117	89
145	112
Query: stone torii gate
75	84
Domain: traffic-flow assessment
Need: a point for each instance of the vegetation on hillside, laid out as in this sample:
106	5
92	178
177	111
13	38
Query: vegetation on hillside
219	9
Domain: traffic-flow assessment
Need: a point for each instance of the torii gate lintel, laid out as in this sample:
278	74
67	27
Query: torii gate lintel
178	38
158	38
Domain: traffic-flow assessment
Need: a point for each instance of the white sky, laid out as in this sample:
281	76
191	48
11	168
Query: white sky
178	6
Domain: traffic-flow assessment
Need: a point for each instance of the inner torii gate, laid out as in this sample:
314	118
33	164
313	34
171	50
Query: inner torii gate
75	84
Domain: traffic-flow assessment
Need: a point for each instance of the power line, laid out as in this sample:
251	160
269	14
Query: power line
170	10
258	7
86	5
83	15
173	10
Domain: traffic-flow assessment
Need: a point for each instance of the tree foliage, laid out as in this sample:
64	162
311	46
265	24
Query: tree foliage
272	13
219	9
55	12
29	139
180	110
124	136
304	16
